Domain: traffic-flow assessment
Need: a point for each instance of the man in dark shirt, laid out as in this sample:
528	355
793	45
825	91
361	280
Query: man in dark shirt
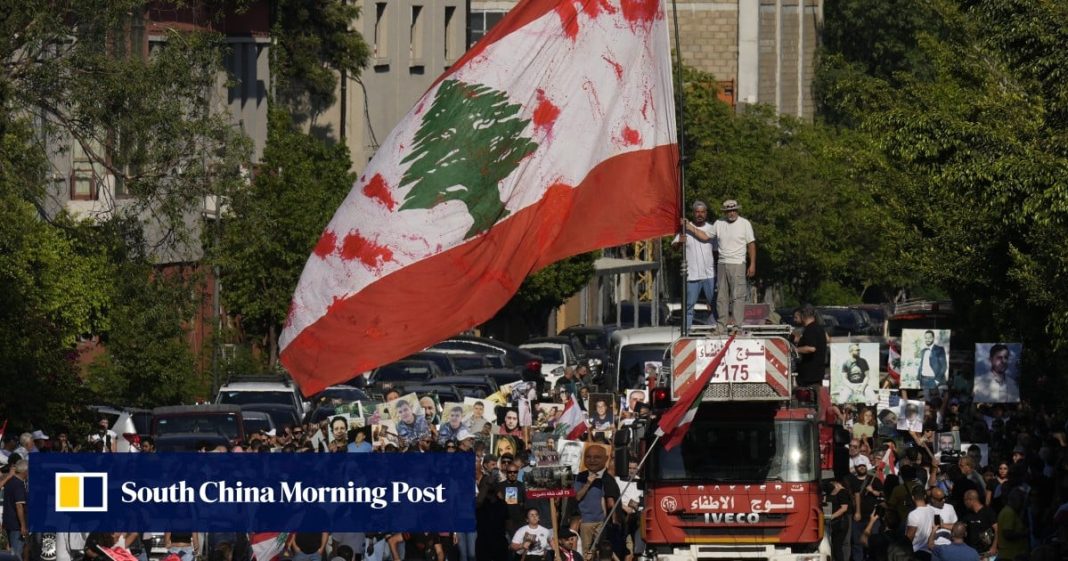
961	486
812	346
15	507
866	490
514	497
982	524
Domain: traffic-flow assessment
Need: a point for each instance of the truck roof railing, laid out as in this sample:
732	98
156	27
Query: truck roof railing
919	306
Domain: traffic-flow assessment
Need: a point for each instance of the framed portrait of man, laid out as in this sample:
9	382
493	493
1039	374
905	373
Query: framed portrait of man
924	358
997	373
855	373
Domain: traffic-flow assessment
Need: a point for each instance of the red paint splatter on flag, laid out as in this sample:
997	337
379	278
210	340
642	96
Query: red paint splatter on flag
631	137
335	304
378	190
615	66
368	252
593	8
326	244
568	18
640	11
545	113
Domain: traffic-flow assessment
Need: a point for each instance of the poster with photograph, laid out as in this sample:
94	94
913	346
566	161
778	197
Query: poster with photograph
600	412
652	370
352	408
855	373
430	407
339	429
979	453
886	412
570	453
543	454
910	415
635	397
504	444
924	358
384	435
508	421
997	373
547	415
551	481
589	445
483	411
948	444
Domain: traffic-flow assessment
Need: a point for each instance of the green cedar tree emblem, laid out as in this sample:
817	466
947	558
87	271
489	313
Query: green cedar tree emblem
470	139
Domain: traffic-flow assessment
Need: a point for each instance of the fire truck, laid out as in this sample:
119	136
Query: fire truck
744	483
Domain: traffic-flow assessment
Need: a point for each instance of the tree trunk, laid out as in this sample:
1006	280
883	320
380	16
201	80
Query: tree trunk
272	343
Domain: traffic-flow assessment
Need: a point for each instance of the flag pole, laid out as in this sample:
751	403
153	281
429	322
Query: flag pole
622	492
680	125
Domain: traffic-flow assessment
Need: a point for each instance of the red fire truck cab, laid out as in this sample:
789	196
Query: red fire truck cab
744	483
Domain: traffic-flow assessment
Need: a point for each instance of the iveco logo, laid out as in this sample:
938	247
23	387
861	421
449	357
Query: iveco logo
669	504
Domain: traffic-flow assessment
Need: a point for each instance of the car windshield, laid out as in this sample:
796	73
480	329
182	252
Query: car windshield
553	355
344	394
592	340
247	397
844	318
224	424
442	362
633	361
256	425
469	362
402	373
741	451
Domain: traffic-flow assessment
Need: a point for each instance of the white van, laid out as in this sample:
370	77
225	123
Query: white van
632	351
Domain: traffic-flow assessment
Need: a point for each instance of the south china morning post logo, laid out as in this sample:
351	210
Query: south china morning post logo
253	492
82	492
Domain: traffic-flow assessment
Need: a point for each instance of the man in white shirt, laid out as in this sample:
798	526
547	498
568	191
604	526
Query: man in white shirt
533	540
920	520
700	259
737	244
944	515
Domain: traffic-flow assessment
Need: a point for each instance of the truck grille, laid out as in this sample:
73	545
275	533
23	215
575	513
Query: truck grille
740	390
739	532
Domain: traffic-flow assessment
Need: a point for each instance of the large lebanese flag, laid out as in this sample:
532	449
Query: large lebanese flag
553	136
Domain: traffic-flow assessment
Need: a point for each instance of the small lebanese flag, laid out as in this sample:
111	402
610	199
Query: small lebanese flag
266	546
677	420
573	419
553	136
888	464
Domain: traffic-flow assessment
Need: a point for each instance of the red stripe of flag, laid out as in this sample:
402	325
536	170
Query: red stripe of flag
677	420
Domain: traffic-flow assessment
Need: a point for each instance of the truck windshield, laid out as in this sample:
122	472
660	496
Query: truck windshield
741	451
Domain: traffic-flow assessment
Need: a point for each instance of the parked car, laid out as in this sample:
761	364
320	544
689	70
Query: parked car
444	361
190	441
198	419
282	416
501	376
556	355
256	421
470	386
594	342
466	361
446	394
527	363
262	390
847	321
403	372
342	393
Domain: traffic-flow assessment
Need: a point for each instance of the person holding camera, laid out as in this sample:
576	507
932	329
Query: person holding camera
867	492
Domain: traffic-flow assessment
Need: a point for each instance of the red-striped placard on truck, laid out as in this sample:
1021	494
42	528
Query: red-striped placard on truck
764	360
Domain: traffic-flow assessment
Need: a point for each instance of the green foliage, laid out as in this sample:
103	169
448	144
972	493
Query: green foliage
315	42
978	140
470	137
150	121
274	222
815	195
546	290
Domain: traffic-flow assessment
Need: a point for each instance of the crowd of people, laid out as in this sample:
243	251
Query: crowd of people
520	440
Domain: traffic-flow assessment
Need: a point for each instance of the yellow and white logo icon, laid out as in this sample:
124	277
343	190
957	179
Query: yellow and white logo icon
81	492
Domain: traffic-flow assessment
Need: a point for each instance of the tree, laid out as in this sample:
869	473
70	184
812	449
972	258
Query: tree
977	138
274	222
812	192
546	290
315	44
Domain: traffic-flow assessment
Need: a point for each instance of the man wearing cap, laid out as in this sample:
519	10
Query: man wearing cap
737	244
866	490
40	441
700	259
